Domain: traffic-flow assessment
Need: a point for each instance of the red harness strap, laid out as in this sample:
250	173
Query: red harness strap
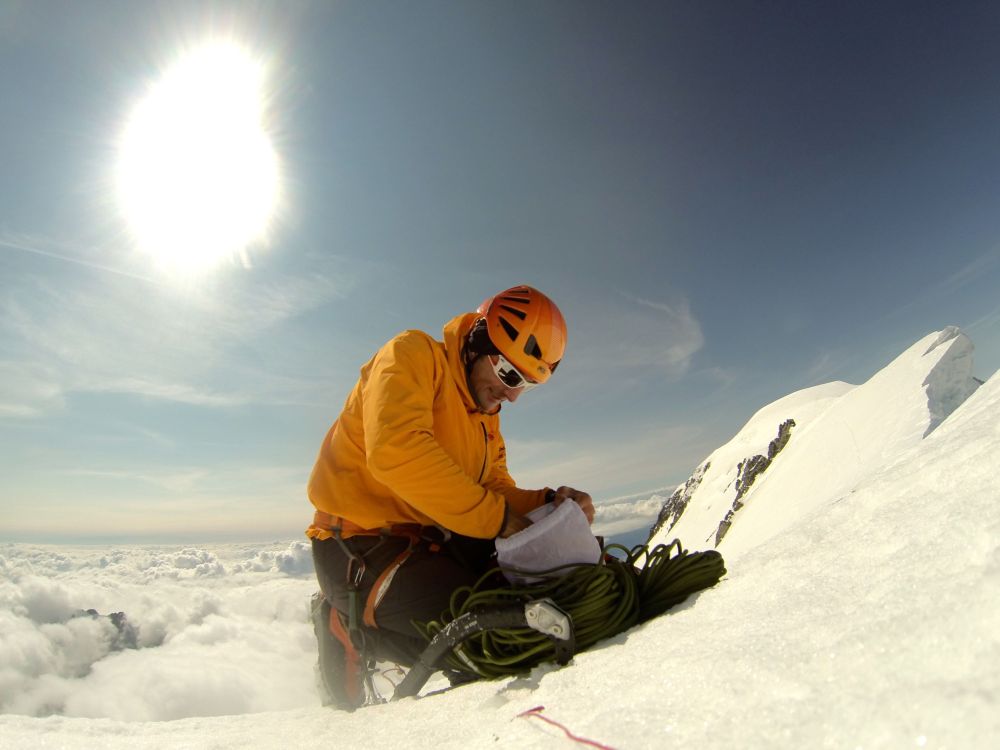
353	677
381	586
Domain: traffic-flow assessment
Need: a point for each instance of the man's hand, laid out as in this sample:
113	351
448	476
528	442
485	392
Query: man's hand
580	498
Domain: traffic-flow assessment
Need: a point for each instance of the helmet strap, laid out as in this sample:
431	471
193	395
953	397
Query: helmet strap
478	343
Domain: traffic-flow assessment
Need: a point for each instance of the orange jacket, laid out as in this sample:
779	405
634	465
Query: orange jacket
411	446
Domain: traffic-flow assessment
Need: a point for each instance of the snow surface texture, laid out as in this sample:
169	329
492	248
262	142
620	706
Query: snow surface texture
867	621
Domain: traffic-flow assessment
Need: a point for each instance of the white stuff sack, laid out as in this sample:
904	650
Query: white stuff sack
557	536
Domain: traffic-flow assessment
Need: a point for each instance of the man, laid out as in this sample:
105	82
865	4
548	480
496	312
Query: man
411	484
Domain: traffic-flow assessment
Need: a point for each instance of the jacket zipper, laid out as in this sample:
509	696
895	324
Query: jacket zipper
486	452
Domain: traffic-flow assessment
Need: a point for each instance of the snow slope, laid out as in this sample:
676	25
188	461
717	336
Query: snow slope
867	621
712	488
841	434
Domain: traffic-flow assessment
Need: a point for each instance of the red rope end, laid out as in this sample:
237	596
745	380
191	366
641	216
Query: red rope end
536	713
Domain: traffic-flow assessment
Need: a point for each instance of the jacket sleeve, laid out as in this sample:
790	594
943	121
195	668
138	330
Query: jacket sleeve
401	450
499	480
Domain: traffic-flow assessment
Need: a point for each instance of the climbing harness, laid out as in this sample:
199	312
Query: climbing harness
353	629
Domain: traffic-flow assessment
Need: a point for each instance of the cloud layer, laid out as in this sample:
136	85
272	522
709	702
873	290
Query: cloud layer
216	630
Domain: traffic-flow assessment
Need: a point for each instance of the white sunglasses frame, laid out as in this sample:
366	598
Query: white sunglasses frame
502	364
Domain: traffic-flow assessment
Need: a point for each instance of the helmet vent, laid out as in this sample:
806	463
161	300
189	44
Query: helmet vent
511	331
531	347
514	311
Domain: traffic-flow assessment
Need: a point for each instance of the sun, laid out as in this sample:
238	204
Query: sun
197	178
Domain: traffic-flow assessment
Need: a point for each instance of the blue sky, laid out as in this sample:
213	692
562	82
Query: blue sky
729	201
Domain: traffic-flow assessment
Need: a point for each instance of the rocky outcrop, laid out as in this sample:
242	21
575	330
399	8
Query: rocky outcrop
128	635
748	471
677	502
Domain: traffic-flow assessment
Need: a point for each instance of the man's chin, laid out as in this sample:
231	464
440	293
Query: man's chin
490	407
486	402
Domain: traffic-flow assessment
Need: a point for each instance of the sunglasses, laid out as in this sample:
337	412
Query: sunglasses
509	375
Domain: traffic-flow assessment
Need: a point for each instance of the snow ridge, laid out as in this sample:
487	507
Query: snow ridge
843	434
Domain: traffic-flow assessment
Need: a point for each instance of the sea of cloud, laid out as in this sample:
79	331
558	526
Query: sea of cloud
628	520
204	630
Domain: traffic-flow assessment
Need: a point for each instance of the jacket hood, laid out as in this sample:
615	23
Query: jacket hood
455	332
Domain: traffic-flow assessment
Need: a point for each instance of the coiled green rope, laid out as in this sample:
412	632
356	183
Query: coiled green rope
603	600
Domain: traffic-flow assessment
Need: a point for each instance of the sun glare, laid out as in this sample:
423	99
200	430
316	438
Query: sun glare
197	177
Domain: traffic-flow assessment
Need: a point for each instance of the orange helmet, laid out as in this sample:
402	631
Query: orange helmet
528	330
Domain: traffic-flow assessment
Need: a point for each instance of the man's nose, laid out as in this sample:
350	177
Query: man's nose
512	394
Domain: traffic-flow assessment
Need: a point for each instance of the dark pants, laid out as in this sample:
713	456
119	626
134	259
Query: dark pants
420	590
